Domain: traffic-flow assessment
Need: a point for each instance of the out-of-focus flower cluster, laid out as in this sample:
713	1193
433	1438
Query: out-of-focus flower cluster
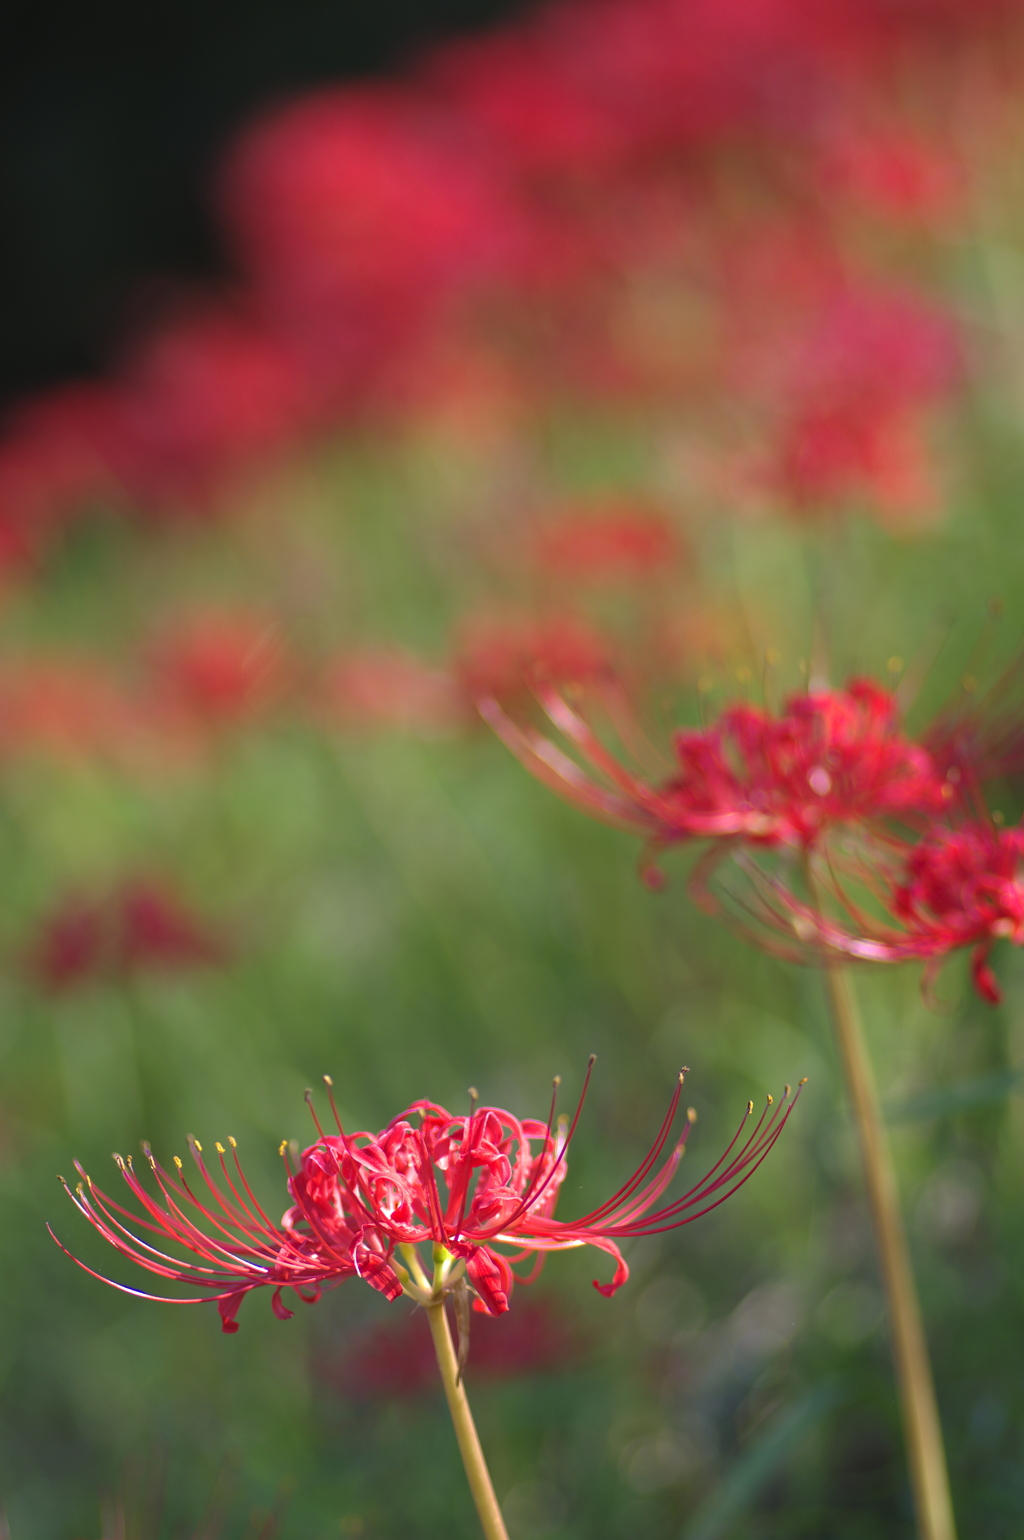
728	223
829	831
138	926
654	201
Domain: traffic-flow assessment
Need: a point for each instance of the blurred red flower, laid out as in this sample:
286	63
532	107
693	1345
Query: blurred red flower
506	656
358	211
607	542
56	457
138	926
830	757
207	392
394	1358
220	666
71	708
895	173
854	389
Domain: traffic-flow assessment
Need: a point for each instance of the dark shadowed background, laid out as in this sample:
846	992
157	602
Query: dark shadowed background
109	118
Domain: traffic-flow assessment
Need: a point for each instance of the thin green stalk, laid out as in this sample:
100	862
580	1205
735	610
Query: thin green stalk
477	1474
922	1430
431	1294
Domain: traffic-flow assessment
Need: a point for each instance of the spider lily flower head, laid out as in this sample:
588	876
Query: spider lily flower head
509	656
478	1189
612	542
831	757
958	886
218	667
881	899
965	887
140	925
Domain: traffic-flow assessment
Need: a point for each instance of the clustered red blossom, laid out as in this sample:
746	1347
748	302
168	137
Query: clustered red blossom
965	886
829	830
204	675
831	757
606	542
563	172
482	1186
138	926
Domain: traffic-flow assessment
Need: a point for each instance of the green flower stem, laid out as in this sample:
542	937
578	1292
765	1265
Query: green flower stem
921	1427
477	1474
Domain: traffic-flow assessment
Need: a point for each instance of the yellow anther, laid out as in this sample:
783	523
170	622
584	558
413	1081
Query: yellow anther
786	1090
691	1114
177	1162
750	1108
771	1098
282	1146
220	1148
328	1080
233	1141
803	1081
197	1146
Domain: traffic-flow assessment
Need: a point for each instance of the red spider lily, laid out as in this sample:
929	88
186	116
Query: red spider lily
956	887
833	780
207	392
832	757
221	666
358	211
54	459
616	542
139	926
468	1184
876	898
896	173
68	708
965	887
507	658
827	455
855	382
